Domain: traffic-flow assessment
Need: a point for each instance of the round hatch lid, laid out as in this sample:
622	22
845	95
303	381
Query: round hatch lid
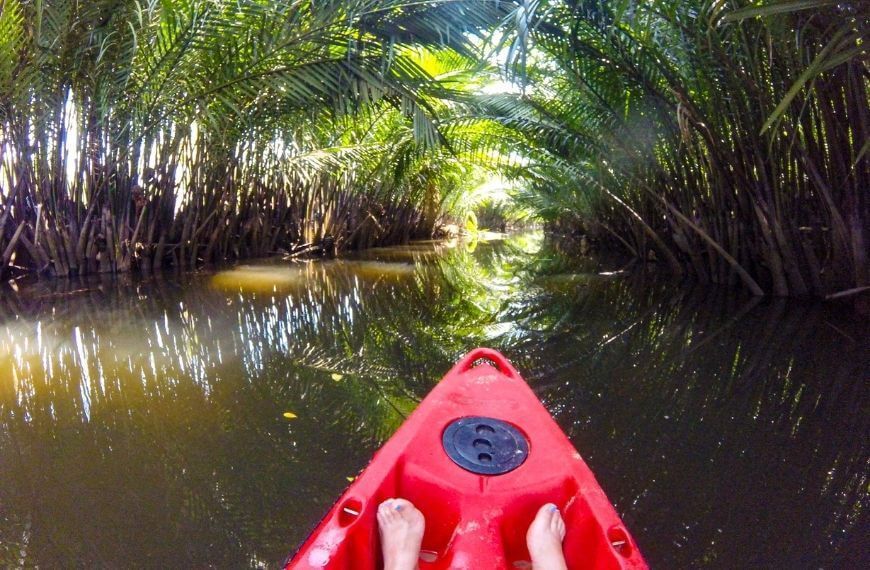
485	446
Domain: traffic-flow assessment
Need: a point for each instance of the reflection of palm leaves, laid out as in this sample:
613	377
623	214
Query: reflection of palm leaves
205	439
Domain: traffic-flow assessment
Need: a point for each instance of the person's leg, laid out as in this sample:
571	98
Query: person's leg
401	527
544	539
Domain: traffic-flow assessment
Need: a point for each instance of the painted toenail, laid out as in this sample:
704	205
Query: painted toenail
553	508
398	507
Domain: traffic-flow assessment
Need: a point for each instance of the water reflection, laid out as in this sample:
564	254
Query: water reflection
143	420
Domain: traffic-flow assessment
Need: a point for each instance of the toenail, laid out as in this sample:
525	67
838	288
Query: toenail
398	507
553	508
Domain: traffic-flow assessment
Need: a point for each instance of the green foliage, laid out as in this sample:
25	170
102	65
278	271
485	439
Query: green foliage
227	128
726	137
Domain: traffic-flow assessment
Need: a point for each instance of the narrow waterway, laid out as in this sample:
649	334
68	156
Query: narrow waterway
209	419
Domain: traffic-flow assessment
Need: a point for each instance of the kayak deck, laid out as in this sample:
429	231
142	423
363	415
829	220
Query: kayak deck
474	521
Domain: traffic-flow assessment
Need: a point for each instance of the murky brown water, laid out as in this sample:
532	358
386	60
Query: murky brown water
150	422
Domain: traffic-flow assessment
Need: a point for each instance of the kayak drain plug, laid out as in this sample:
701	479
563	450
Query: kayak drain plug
485	446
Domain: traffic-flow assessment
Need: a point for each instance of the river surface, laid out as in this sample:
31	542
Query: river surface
209	419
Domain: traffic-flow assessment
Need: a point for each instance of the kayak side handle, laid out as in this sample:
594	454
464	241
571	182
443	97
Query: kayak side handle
618	539
349	512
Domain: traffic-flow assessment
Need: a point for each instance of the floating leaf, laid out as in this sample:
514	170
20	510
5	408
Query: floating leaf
336	376
350	479
290	415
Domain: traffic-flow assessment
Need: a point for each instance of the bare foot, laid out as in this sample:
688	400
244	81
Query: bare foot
401	526
544	539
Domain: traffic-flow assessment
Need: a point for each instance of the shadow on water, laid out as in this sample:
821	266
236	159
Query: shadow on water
145	422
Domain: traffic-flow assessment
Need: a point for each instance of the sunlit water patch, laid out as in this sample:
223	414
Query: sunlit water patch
261	279
380	269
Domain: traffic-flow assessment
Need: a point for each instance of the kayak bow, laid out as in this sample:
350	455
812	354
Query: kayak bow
478	457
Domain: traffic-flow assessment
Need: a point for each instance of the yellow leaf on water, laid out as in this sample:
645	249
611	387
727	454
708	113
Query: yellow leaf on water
350	479
336	376
290	415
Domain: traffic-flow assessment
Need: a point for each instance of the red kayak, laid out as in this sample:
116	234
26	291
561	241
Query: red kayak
478	457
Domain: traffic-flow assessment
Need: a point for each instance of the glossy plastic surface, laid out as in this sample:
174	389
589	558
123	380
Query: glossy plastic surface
474	522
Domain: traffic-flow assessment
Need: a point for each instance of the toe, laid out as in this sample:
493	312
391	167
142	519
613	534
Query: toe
387	512
547	513
400	504
402	507
556	517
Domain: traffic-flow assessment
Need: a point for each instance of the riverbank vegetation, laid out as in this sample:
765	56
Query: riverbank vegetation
146	134
725	140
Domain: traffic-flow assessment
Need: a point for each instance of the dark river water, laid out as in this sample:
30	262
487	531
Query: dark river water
209	419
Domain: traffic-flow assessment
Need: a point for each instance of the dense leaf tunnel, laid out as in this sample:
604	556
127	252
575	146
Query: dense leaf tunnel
725	139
